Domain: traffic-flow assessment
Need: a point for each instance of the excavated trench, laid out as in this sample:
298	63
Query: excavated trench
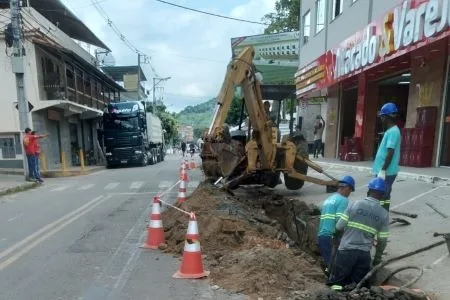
256	242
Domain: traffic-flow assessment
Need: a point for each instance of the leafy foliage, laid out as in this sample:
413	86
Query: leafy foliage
285	18
234	115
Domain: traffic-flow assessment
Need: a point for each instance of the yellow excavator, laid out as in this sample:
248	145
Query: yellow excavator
236	159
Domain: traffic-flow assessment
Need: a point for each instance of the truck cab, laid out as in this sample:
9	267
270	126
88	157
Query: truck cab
125	134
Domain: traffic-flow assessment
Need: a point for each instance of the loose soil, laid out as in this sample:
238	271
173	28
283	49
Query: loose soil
245	250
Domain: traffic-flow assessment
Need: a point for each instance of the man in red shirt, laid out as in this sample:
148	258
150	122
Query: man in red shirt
30	143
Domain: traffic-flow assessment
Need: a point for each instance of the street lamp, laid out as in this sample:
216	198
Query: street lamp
156	81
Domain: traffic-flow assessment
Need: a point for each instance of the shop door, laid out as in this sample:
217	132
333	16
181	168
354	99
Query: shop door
348	101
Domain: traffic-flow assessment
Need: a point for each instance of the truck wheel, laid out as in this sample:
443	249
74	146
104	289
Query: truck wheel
151	161
144	160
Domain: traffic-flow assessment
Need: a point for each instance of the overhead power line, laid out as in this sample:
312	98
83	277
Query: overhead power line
117	31
211	14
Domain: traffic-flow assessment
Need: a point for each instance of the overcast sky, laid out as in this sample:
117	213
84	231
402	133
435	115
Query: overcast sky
192	48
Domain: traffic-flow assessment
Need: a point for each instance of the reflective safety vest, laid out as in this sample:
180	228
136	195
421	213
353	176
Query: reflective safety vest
362	221
332	210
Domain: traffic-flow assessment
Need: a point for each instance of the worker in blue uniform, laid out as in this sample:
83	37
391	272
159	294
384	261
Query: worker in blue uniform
361	222
387	160
332	210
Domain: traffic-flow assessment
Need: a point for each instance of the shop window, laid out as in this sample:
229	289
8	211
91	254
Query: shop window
306	27
8	147
320	15
338	8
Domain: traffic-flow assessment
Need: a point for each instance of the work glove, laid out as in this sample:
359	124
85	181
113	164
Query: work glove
382	174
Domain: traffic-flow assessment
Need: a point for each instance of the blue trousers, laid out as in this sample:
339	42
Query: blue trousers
325	247
350	267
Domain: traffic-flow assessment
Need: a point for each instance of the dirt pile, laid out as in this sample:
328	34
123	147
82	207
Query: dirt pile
245	250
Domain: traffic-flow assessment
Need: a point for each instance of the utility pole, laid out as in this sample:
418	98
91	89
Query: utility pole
139	77
18	69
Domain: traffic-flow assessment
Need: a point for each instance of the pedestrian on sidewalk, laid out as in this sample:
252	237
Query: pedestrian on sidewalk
361	222
387	159
31	145
332	210
318	132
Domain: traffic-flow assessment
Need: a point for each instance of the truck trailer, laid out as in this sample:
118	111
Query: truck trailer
132	136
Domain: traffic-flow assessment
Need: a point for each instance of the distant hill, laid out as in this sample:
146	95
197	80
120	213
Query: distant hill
199	115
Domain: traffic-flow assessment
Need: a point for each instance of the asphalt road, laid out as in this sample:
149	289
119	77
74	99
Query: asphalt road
78	238
412	197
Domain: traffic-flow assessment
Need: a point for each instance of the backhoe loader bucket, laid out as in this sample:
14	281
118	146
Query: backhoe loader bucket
220	159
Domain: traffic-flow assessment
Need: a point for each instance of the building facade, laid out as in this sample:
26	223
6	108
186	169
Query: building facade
360	54
65	90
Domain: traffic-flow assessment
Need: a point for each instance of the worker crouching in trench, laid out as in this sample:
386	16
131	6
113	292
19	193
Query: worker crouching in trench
332	210
361	222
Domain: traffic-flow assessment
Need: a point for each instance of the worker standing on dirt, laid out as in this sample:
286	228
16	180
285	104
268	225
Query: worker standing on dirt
386	164
332	210
361	222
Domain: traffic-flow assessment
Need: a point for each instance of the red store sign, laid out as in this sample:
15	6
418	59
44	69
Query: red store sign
409	26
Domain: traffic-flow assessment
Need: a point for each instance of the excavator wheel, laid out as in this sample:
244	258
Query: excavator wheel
299	166
295	184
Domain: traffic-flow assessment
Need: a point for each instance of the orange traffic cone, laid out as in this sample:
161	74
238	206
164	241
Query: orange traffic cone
192	166
155	232
182	192
182	167
191	265
184	175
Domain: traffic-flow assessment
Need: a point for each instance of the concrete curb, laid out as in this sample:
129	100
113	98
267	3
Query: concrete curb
441	181
56	174
19	188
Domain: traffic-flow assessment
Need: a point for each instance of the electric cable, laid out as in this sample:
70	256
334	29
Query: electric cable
211	14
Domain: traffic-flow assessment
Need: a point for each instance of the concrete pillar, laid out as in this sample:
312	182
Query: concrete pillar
370	120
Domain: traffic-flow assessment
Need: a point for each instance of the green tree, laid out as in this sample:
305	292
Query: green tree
285	18
234	115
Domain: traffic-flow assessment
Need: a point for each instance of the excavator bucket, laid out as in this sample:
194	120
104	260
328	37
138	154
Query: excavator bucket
219	159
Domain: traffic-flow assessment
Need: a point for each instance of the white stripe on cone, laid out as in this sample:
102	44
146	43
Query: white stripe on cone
192	227
194	247
156	224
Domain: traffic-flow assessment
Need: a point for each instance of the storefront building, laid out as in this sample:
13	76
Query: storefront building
401	57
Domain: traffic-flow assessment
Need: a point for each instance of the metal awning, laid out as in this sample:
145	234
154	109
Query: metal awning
57	13
277	92
70	108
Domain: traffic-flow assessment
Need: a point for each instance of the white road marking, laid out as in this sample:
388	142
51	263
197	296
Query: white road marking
415	198
440	259
111	186
60	188
58	228
15	217
28	239
86	186
136	185
165	184
96	173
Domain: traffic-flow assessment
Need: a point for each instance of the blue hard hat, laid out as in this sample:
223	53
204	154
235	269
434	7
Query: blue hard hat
388	109
377	184
347	181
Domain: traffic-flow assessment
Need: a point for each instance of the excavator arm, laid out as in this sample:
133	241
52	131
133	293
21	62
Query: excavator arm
261	159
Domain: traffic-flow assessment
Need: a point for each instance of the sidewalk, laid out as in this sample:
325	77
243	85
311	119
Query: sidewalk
74	171
13	184
437	176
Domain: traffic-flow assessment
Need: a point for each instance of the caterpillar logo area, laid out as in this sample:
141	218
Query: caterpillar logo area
401	28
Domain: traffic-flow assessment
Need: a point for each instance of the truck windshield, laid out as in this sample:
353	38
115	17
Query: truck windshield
124	124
